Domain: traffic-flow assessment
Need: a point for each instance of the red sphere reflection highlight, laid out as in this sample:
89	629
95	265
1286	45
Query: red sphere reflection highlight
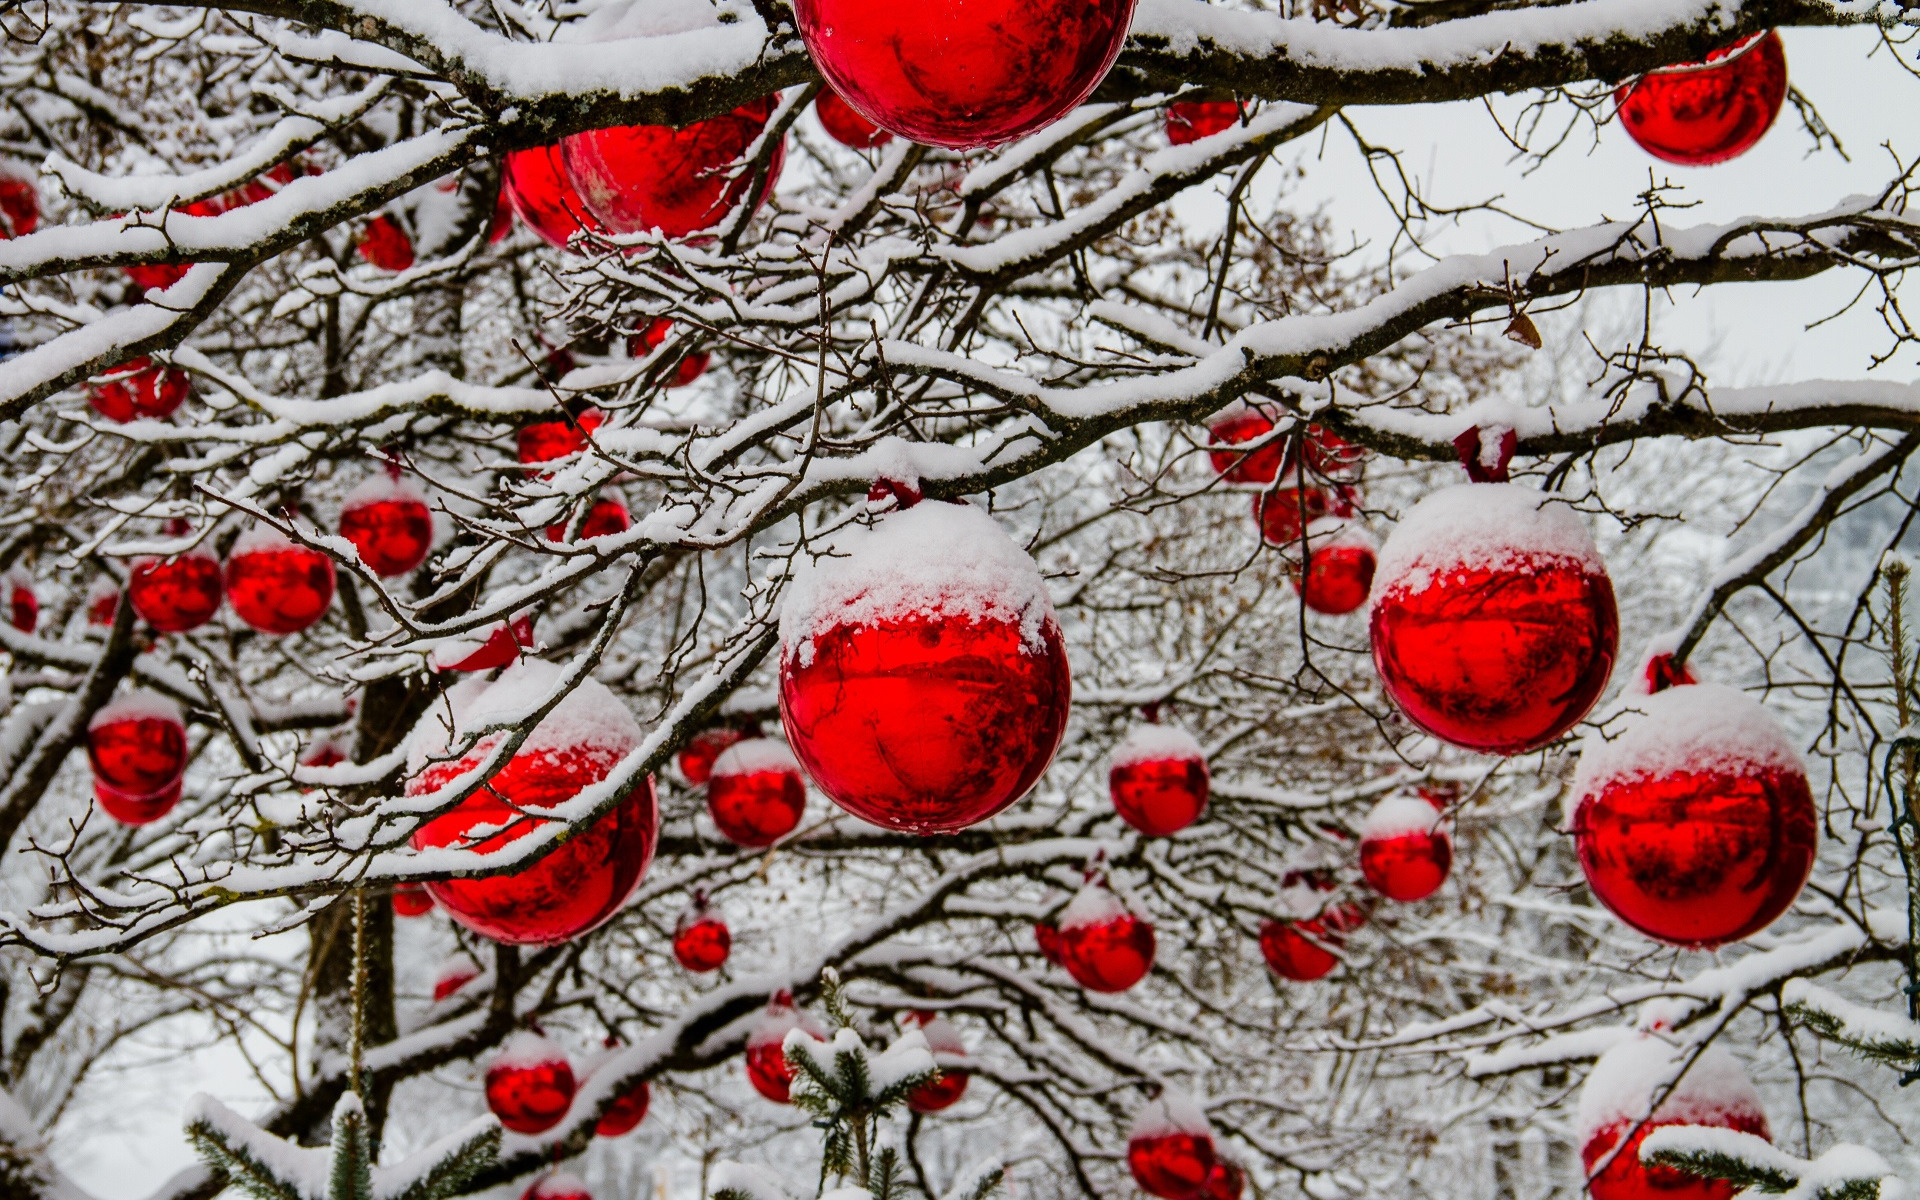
1190	120
1699	114
276	586
655	178
139	388
1170	1148
846	126
702	944
530	1085
755	794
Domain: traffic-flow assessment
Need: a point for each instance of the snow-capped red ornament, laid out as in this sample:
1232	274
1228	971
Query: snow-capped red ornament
1301	943
1406	849
701	939
1341	559
582	881
501	646
557	1185
656	178
411	900
629	1108
1158	780
1618	1096
456	973
1226	1181
275	585
23	606
327	752
1235	426
530	1083
103	601
174	595
1694	822
1170	1148
950	1055
137	745
19	204
1699	114
697	756
605	518
1284	512
755	793
923	679
1190	120
1103	945
388	521
536	186
689	368
846	126
557	437
767	1066
1493	619
139	388
385	245
963	75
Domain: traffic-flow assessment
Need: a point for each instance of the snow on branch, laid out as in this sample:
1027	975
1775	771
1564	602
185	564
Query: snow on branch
1845	1172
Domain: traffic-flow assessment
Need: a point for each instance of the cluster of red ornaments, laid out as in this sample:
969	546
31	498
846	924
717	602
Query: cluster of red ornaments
531	1086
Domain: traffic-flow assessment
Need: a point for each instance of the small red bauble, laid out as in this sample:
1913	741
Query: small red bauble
1405	849
689	368
1698	114
755	793
1618	1096
411	900
1234	427
137	746
697	757
963	74
1695	824
1493	619
655	178
329	752
275	585
923	679
767	1066
1340	565
1284	512
1190	120
544	441
950	1055
1170	1148
139	388
1158	780
165	275
530	1084
102	603
557	1185
456	973
389	523
701	940
23	607
629	1108
502	645
607	517
174	595
1301	946
1105	947
536	185
1225	1182
384	244
846	126
582	881
19	206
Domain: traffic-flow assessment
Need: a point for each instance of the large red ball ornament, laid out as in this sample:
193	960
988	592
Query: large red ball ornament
138	388
23	607
389	523
530	1084
701	939
689	368
275	585
557	1185
767	1066
583	880
1237	425
385	245
1341	560
755	793
544	441
1225	1182
1158	780
1170	1148
535	183
1190	120
457	972
963	74
1493	619
174	595
1405	849
19	206
697	756
950	1055
923	679
1698	114
655	178
1103	945
605	518
846	126
411	900
1695	822
1618	1096
137	746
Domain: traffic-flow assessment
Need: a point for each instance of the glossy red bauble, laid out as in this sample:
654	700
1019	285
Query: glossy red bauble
1105	947
174	595
1695	824
923	679
411	900
1225	1182
23	607
544	441
165	275
558	1185
1170	1148
1158	780
950	1055
19	206
384	244
1235	427
535	184
624	1115
102	603
131	808
1493	619
139	388
1617	1100
501	646
1405	849
530	1084
581	882
456	973
698	755
1190	120
275	585
1698	114
137	746
688	369
1340	563
755	793
767	1066
846	126
963	74
1047	938
608	516
389	523
701	940
1301	946
655	178
1284	513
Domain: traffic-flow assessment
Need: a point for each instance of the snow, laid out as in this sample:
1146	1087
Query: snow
461	967
381	486
260	538
1091	905
1156	743
777	1021
950	559
1825	1176
907	1057
1327	533
1169	1113
559	1183
305	1168
751	756
589	716
1495	526
137	706
1398	816
1622	1085
945	1041
1693	727
525	1048
1857	1023
757	1183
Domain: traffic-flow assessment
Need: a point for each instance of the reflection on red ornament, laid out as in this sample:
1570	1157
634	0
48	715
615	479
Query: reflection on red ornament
1301	946
137	746
1048	939
456	973
165	275
607	517
1694	823
139	388
1405	849
276	586
767	1066
923	679
1340	566
411	900
1284	512
950	1055
963	76
1698	114
102	604
1158	780
23	607
1226	1181
697	756
1105	947
537	188
1237	426
384	244
1190	120
846	126
1493	619
689	368
557	1185
624	1115
530	1084
1618	1098
502	646
701	940
174	595
1170	1148
583	881
755	793
655	178
388	521
19	206
544	441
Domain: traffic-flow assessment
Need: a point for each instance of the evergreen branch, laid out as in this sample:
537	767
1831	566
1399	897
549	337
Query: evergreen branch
1752	1163
239	1163
455	1161
1874	1035
350	1171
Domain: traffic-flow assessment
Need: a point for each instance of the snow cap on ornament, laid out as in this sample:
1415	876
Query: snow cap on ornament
1618	1095
1158	779
1406	848
1170	1147
558	1185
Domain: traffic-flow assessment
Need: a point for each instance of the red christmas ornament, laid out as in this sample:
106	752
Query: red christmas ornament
1661	673
411	900
1226	1181
388	521
1698	114
767	1066
1190	120
697	757
1340	566
1493	619
701	941
1405	849
174	595
1301	945
1170	1149
1695	823
755	793
1236	426
501	646
1158	779
456	973
923	680
1618	1096
23	607
276	586
102	603
581	882
544	441
165	275
384	244
536	186
655	178
139	388
607	517
963	75
1284	512
846	126
330	752
530	1084
1104	946
557	1185
950	1055
1048	939
629	1108
137	746
643	343
19	206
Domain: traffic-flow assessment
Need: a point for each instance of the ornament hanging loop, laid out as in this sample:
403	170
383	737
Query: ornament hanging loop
1485	452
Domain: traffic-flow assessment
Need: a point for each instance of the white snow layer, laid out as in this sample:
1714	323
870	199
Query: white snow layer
1692	727
775	1023
588	716
1091	905
260	538
378	487
136	706
526	1049
907	1057
1170	1113
1501	526
1156	743
751	756
756	1182
1622	1085
1398	816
